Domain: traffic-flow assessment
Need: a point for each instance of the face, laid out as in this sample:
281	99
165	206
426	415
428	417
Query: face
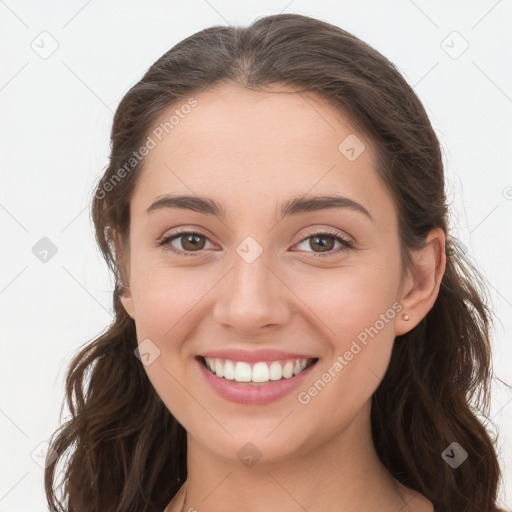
254	288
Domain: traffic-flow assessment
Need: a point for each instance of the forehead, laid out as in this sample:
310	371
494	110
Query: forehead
277	123
258	148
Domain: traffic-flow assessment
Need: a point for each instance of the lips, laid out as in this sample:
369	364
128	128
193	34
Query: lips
256	377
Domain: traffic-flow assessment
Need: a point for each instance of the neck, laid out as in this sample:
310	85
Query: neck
344	473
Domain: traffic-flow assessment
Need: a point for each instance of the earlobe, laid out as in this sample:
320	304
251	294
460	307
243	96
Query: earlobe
127	302
422	285
122	261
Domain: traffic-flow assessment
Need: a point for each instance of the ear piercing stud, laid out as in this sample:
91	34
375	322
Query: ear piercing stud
405	317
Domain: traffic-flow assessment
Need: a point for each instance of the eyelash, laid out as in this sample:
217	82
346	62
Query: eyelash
165	242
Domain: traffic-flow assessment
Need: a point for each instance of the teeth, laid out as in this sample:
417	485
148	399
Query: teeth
241	371
276	371
216	367
229	370
288	370
260	372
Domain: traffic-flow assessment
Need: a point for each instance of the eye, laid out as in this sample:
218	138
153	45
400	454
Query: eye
191	242
194	242
325	241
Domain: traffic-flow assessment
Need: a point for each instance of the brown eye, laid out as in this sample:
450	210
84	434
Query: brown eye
322	244
191	242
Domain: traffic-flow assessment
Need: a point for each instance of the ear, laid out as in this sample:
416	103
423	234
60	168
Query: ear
422	284
123	264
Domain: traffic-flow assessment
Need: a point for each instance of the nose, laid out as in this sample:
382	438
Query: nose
252	298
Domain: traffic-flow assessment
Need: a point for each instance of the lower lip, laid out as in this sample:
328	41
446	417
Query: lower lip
253	394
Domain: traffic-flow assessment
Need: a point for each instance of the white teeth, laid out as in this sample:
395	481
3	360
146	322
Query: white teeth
288	370
229	370
276	371
242	372
217	367
259	372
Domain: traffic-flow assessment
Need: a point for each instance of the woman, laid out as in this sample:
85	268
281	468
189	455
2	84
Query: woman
294	327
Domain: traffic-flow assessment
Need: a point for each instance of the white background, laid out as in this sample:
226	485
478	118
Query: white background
56	115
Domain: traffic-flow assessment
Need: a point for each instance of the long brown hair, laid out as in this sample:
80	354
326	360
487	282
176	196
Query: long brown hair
126	452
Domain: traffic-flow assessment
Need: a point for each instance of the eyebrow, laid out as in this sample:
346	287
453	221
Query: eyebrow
294	206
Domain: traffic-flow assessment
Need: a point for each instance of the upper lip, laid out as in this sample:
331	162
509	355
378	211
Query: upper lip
254	356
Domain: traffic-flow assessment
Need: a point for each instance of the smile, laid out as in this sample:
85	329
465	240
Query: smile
260	379
256	373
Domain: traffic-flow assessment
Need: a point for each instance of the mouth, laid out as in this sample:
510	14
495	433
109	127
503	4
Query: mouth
256	373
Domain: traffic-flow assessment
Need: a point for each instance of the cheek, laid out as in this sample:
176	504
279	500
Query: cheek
163	296
355	311
348	302
164	300
358	311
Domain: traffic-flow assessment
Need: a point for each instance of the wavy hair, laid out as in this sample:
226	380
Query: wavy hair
125	450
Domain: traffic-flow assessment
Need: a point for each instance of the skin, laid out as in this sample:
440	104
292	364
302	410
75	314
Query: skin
252	151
